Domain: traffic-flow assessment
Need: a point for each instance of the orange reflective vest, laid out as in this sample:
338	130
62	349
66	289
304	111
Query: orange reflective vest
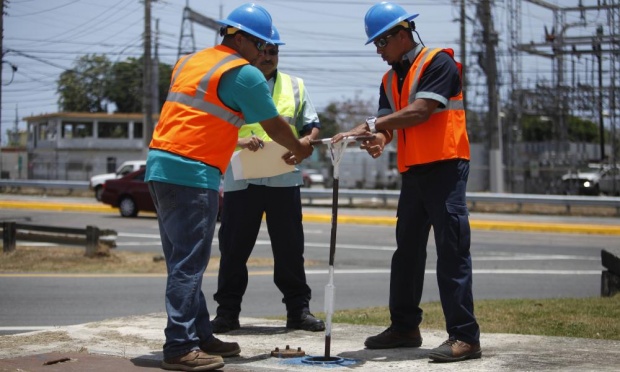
194	122
443	136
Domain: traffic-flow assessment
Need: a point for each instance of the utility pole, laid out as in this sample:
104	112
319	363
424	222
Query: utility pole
463	35
514	114
597	48
155	84
490	40
147	101
1	65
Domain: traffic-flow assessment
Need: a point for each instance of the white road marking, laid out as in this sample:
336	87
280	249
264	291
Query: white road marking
476	272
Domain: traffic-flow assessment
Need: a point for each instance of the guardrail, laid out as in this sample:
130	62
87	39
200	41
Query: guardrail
44	185
568	202
91	237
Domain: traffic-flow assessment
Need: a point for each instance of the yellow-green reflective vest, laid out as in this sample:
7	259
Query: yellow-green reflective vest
288	93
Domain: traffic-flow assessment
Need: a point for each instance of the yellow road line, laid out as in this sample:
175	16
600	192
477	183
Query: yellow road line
51	206
564	228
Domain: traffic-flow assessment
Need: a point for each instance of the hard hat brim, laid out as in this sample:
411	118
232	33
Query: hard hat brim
407	17
225	22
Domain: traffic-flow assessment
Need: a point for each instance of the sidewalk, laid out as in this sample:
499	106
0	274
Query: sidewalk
134	344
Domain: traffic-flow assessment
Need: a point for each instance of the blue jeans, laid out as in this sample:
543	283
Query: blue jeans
434	195
186	217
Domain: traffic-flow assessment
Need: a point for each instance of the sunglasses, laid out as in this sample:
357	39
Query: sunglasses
272	52
381	43
259	44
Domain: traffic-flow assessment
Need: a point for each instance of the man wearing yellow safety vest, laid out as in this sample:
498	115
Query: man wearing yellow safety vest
422	102
279	198
212	93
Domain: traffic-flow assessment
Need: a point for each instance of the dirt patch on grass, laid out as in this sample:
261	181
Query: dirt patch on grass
47	337
72	260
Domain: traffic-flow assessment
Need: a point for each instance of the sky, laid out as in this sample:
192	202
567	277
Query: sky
324	41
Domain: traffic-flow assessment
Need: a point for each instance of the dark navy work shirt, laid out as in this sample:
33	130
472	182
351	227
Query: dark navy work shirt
439	82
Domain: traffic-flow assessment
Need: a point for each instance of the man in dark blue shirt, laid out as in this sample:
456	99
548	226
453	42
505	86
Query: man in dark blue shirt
421	99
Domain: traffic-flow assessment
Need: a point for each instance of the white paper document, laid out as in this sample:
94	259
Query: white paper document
266	162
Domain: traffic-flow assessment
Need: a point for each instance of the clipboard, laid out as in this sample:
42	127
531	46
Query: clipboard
266	162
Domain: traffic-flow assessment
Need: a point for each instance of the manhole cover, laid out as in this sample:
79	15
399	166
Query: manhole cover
287	352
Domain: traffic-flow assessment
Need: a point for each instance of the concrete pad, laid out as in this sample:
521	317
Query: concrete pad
134	343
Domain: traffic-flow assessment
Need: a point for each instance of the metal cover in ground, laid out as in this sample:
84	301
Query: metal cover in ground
287	352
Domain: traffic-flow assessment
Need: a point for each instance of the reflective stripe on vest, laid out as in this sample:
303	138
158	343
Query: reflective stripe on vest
288	93
197	101
443	136
194	123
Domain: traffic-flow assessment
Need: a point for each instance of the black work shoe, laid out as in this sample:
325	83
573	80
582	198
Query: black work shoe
391	338
195	360
222	324
216	346
305	321
454	350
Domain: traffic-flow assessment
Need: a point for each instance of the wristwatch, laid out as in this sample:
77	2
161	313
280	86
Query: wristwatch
370	121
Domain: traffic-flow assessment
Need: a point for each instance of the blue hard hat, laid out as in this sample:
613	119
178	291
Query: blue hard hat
275	36
383	16
250	18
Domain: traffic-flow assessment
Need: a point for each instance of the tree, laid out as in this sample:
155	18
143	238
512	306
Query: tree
125	85
329	127
126	88
537	129
580	130
341	116
84	87
540	129
345	115
95	82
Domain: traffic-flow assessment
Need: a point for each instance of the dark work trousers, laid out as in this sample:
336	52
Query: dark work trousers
434	195
241	219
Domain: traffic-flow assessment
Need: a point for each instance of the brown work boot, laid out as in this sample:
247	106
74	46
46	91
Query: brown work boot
453	350
195	360
216	346
391	338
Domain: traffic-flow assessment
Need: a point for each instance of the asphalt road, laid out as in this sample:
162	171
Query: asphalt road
506	265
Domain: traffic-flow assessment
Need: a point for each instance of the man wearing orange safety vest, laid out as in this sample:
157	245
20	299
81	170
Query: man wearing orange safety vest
213	92
422	102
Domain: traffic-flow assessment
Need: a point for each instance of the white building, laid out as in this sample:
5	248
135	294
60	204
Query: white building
77	145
